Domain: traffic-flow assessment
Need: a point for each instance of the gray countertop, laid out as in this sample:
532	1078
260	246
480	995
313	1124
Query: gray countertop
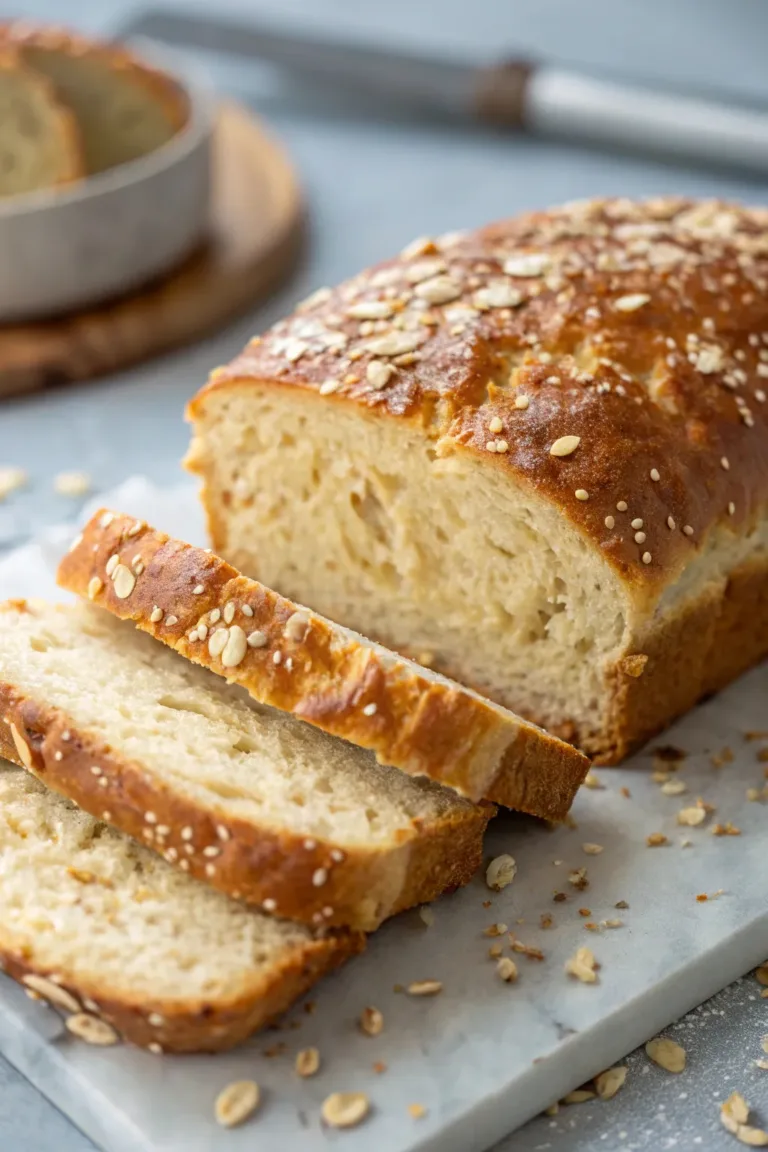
372	185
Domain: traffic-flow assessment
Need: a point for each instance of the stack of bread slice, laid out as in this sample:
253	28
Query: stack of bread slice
249	765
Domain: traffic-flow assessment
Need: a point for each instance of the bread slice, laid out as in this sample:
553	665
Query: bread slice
39	141
93	922
334	678
123	108
260	805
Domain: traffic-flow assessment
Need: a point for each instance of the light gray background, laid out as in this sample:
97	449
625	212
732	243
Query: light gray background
372	185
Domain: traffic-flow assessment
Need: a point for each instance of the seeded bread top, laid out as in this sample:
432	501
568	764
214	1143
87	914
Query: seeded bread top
612	354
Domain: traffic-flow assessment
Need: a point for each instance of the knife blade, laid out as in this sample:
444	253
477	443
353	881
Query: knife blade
541	98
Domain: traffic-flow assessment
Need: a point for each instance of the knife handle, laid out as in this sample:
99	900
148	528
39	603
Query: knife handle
500	93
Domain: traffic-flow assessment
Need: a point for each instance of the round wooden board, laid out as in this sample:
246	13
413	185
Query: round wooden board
256	234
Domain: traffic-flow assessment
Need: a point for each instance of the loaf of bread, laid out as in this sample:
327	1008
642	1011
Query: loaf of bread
123	108
291	658
40	144
126	946
259	805
538	451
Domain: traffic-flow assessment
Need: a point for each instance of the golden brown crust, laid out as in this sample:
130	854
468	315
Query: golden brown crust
277	871
207	1026
324	675
166	91
705	646
639	327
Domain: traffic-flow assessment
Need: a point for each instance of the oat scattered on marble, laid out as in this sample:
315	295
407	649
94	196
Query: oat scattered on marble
666	1053
608	1083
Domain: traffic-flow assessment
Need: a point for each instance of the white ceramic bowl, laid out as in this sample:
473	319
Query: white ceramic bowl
104	235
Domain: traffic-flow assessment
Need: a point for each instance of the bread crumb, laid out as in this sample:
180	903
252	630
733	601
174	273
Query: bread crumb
500	872
427	915
72	483
592	781
656	840
592	849
691	817
506	969
583	966
417	1111
11	479
734	1114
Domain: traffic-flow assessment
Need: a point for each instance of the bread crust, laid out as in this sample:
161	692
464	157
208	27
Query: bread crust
639	328
641	405
174	1026
277	871
324	676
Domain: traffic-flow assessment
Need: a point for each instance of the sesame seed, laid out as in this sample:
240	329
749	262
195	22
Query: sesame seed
156	615
581	494
310	844
631	302
565	446
171	620
637	523
210	869
522	402
688	530
229	613
610	522
247	610
319	877
277	657
495	425
647	557
621	506
211	850
150	818
214	616
731	508
222	832
269	905
671	523
725	463
502	446
490	446
639	537
369	710
655	476
337	855
198	590
257	640
187	833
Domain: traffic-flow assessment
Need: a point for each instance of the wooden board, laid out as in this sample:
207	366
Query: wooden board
256	232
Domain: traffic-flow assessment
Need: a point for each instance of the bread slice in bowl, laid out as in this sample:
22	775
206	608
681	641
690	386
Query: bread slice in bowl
40	144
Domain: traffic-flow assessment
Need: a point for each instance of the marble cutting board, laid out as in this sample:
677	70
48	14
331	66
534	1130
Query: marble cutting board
482	1056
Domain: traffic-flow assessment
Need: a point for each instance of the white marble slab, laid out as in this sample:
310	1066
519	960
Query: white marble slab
481	1057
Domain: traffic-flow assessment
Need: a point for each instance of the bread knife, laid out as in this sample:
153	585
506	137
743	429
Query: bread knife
543	99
